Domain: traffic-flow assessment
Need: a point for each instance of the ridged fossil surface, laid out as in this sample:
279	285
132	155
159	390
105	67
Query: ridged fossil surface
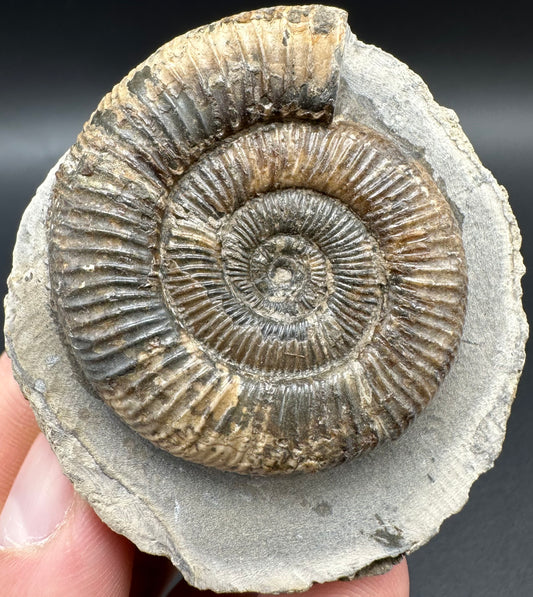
249	282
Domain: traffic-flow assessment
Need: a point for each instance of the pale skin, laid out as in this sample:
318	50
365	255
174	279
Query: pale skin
52	544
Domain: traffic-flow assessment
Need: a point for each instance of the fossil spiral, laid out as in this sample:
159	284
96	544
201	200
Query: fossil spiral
248	282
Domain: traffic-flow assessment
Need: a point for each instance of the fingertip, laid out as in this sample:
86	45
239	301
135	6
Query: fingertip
54	542
95	560
38	499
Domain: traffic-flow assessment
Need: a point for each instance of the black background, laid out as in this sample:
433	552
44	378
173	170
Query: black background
58	58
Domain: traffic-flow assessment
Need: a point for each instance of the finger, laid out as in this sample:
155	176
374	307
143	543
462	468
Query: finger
53	544
18	428
394	583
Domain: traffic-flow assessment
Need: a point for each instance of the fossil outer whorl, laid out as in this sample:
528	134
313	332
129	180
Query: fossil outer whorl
246	282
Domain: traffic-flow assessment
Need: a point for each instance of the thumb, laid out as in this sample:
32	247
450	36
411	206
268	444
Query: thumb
52	544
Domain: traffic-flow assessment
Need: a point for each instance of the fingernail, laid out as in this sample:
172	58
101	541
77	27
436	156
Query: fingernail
38	500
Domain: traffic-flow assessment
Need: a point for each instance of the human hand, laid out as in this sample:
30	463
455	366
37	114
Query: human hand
52	544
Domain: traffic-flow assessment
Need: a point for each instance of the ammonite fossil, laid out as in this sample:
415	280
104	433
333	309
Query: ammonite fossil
262	256
248	283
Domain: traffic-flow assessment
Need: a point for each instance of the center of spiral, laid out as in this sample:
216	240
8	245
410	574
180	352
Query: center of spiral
289	281
281	276
280	272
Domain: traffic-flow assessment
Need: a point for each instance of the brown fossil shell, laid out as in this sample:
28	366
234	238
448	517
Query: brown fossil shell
249	283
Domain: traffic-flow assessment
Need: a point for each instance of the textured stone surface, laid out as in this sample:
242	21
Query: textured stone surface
286	533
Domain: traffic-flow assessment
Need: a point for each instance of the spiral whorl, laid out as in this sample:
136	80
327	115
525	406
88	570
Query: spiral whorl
248	283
